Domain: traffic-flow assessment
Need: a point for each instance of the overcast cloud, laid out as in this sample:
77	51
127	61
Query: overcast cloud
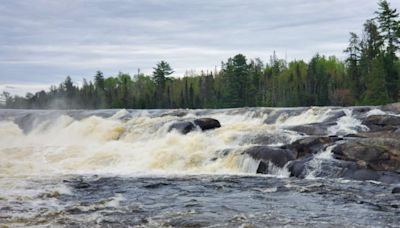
43	41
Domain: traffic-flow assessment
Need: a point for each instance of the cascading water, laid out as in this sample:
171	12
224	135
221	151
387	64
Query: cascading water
127	142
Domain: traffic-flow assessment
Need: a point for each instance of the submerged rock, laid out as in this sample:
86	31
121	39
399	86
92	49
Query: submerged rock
182	127
277	156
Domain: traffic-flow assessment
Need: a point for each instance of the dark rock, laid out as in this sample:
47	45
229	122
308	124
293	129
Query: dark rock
183	127
297	168
380	154
326	167
310	145
338	169
360	110
279	157
355	136
396	190
394	108
335	115
207	123
361	174
382	122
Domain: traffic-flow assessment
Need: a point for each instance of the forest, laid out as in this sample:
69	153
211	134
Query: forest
370	75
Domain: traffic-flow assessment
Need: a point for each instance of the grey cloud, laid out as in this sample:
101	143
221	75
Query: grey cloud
42	41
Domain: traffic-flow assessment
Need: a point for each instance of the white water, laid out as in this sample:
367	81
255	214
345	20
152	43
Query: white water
139	143
347	124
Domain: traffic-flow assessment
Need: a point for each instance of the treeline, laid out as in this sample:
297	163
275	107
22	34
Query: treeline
370	75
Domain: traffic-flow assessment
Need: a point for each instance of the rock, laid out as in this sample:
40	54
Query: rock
382	122
297	168
264	139
332	168
361	174
282	114
279	157
182	127
394	108
178	113
185	127
310	145
313	129
335	115
360	110
207	123
379	154
393	134
396	190
326	167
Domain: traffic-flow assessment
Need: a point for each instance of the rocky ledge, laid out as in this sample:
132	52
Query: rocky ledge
372	154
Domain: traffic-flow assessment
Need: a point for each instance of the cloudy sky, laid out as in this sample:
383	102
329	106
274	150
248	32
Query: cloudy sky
43	41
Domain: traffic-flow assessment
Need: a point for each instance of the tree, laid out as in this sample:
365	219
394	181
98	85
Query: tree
353	68
161	72
376	93
389	28
235	75
160	75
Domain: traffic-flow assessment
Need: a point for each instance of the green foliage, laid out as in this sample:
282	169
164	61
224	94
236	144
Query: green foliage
376	92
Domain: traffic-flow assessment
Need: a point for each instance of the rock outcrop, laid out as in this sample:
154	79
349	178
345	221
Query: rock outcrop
185	127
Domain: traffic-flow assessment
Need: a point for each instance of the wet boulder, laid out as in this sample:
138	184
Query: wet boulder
298	168
313	128
207	123
310	145
265	154
326	167
396	190
182	127
380	154
394	108
360	110
382	122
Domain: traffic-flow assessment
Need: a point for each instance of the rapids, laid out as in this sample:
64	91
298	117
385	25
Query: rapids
124	167
130	141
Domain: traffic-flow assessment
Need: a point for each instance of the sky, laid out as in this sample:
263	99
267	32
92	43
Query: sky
43	41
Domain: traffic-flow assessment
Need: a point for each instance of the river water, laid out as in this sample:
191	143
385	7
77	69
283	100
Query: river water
125	168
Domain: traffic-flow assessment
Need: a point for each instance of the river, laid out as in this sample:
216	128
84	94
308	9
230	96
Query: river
129	168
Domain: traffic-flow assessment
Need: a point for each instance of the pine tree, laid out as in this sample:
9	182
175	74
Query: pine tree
376	93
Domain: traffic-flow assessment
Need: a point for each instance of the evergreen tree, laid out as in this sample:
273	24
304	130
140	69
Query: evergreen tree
376	93
388	20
